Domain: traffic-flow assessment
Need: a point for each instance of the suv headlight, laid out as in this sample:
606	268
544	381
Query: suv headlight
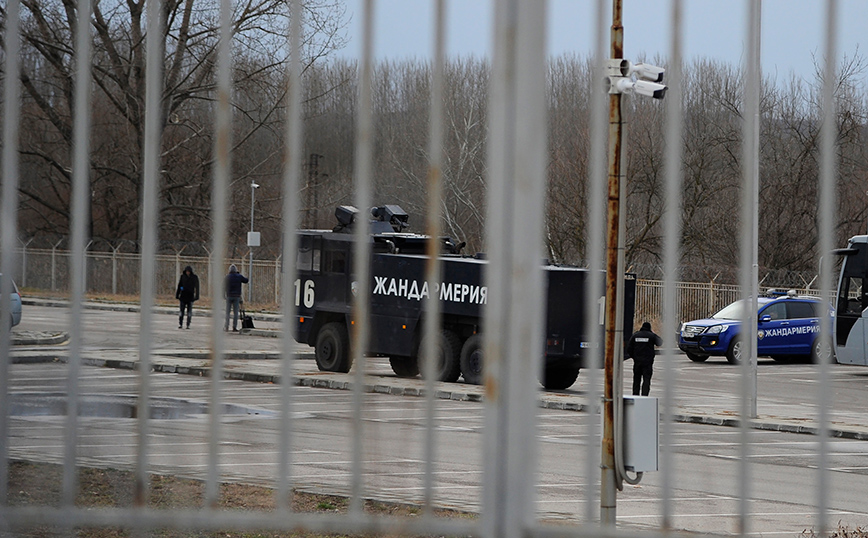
716	329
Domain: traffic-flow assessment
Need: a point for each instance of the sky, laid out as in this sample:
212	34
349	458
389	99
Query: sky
792	30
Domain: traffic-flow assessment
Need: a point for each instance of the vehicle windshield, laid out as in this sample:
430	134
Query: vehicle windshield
733	311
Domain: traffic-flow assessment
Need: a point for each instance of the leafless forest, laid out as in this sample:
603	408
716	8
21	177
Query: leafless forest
712	106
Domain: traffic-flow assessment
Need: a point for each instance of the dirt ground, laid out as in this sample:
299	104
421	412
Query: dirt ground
41	484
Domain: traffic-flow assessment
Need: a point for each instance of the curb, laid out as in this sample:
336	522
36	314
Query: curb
771	426
317	381
40	339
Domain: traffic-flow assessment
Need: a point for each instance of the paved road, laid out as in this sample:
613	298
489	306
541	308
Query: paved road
704	466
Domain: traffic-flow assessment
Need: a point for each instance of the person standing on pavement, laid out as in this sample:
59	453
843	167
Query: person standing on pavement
641	348
187	293
232	292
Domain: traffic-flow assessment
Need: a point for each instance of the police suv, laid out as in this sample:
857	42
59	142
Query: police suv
788	327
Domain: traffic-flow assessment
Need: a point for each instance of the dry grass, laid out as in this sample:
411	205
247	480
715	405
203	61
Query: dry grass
40	484
842	531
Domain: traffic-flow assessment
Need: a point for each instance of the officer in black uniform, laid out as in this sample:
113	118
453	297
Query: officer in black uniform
640	348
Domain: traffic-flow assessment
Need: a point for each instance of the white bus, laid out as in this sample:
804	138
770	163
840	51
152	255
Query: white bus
851	304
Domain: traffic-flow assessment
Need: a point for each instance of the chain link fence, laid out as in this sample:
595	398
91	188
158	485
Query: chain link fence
118	273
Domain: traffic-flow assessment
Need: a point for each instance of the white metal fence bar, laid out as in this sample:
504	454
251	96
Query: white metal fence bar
671	254
150	217
219	204
595	205
513	325
8	220
828	182
748	252
363	172
291	182
432	323
80	194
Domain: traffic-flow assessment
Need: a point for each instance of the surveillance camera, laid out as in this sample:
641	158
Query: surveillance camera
650	89
617	67
255	185
615	84
648	72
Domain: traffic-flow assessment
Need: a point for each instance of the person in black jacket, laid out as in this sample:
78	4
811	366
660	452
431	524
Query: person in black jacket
641	348
187	293
232	292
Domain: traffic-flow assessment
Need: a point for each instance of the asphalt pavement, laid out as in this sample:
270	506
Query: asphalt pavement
264	367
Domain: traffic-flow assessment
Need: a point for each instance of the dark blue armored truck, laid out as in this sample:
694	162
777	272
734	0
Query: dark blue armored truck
325	287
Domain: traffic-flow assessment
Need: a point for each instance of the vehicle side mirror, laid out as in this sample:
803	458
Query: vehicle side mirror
765	318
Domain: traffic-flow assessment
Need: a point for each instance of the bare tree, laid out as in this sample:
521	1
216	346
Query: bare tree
189	41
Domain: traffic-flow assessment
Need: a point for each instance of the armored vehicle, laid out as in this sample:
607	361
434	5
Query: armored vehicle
325	289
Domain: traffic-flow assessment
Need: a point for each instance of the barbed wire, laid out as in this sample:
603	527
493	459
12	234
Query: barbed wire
128	246
769	277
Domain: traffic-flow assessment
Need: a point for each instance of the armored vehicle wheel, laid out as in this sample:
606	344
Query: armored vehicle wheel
404	366
696	357
471	360
733	354
560	377
333	348
446	353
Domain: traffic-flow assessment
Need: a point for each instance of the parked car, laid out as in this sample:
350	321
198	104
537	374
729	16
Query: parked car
16	305
788	327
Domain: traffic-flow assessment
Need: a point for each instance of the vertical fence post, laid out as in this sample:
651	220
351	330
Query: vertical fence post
23	264
84	272
711	296
205	279
24	261
54	265
115	270
277	279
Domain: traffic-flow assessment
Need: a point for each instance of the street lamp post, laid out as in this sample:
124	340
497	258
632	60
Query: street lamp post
252	241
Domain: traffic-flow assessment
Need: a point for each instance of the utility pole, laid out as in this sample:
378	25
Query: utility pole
608	479
252	240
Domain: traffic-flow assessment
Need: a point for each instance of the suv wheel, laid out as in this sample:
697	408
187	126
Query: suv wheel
821	351
733	354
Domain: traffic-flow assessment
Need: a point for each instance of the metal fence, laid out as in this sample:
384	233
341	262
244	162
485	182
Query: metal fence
516	165
118	273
